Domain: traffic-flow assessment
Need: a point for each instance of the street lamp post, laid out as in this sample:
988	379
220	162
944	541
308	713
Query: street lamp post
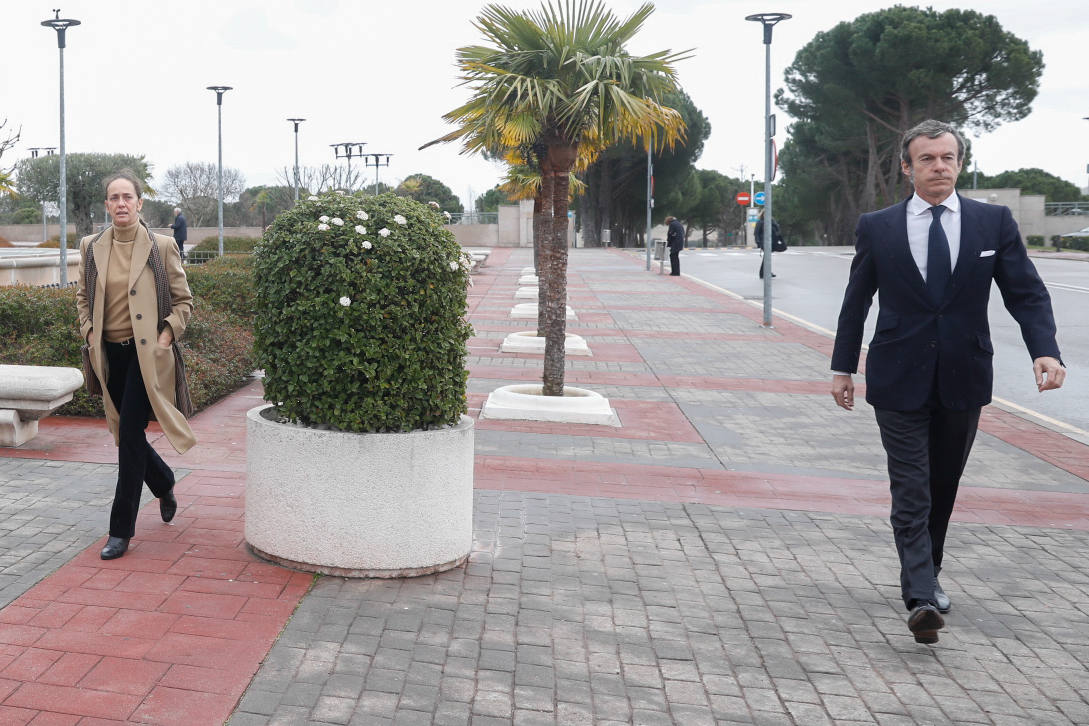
650	198
768	21
376	160
347	150
60	25
296	121
220	90
34	151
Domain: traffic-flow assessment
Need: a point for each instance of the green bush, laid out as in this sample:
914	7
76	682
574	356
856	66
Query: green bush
1057	241
1034	240
40	326
1076	243
230	244
362	330
226	283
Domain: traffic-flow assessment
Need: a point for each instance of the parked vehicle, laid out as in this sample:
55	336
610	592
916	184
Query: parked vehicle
1079	233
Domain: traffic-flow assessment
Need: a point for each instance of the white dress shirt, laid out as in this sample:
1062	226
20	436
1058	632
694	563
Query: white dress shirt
919	218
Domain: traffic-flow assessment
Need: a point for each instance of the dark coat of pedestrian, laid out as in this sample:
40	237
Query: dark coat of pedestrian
778	244
131	349
675	241
181	231
932	260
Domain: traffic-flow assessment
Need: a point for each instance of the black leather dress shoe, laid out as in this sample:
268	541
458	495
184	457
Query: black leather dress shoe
115	547
168	505
944	604
924	623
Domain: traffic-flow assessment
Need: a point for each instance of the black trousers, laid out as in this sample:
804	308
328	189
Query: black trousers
674	261
137	462
927	450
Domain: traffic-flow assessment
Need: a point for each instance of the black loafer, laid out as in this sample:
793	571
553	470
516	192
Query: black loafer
168	505
115	547
944	604
924	623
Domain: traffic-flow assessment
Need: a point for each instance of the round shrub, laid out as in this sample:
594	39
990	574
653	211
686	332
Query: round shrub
360	315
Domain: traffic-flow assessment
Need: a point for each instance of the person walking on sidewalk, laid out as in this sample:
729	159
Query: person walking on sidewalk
181	230
932	259
132	358
675	241
777	242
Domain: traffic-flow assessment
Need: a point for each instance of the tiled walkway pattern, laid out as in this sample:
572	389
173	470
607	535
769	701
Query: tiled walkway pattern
724	557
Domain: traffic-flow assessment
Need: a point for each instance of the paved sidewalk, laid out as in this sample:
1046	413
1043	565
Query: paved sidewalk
723	557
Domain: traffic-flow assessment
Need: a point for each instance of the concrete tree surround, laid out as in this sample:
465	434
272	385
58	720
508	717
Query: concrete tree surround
525	402
526	341
359	505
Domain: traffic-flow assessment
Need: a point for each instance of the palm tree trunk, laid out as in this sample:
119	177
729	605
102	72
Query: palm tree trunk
542	218
554	312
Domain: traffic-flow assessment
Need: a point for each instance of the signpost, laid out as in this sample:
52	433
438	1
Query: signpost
743	198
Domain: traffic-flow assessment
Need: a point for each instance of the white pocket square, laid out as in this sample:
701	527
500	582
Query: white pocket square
986	253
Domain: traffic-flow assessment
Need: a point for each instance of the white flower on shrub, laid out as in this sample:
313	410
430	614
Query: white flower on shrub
362	215
337	221
323	227
312	198
367	245
341	192
400	220
323	218
454	266
447	215
384	232
345	301
360	229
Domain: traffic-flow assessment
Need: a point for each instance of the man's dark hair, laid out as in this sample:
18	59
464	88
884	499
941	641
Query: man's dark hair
931	129
128	175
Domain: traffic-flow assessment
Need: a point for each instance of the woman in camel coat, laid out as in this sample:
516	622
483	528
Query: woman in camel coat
132	360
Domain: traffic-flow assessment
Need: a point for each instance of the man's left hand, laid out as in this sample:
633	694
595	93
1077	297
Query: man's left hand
166	338
1050	373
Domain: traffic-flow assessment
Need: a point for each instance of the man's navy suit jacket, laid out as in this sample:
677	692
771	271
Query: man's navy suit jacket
918	341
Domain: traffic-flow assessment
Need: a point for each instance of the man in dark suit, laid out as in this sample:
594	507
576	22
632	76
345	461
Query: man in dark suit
181	231
931	259
675	240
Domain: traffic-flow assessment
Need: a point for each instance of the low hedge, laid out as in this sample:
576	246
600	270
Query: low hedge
226	284
39	326
230	244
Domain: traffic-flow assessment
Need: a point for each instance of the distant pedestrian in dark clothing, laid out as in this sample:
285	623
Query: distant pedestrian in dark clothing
181	230
777	243
675	241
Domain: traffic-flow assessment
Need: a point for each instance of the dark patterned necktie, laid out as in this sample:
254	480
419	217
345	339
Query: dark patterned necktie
938	266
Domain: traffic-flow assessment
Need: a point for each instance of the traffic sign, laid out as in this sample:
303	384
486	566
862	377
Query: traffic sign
759	198
742	198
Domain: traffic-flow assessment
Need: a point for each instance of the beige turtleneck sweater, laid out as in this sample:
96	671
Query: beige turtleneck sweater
117	325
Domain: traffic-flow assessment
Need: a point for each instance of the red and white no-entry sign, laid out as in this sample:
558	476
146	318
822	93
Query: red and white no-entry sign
742	198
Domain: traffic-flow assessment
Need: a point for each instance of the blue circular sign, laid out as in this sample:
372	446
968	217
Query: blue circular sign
759	197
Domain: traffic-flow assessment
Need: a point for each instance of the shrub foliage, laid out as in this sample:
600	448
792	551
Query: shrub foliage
360	325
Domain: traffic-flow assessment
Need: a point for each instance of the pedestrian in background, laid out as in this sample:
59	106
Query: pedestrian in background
675	240
932	258
181	231
778	244
127	268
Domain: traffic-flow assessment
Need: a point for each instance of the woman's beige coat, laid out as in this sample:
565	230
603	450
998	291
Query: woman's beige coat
156	363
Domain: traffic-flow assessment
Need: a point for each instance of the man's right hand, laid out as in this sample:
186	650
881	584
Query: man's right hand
843	390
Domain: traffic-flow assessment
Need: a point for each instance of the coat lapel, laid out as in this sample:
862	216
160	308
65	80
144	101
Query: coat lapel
141	250
970	246
100	251
901	250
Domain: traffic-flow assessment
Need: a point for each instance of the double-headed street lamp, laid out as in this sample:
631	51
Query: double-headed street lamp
220	90
768	20
34	152
376	160
296	121
348	150
60	25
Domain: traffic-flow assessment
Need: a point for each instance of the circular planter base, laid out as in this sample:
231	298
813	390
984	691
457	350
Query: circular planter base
528	311
526	341
525	402
349	572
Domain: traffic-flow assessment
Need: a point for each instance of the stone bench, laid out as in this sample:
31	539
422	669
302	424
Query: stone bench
479	254
29	393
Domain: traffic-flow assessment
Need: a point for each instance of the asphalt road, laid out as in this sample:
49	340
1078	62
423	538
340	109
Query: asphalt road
809	286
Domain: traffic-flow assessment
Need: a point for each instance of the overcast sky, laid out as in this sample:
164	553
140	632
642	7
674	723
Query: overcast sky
383	73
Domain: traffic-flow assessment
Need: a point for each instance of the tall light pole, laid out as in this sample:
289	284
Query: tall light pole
376	160
346	150
60	25
768	20
34	151
296	121
650	198
220	90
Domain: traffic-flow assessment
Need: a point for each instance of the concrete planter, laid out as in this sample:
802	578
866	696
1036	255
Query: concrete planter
525	402
359	505
526	341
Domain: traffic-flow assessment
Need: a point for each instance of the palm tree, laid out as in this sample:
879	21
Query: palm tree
559	81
